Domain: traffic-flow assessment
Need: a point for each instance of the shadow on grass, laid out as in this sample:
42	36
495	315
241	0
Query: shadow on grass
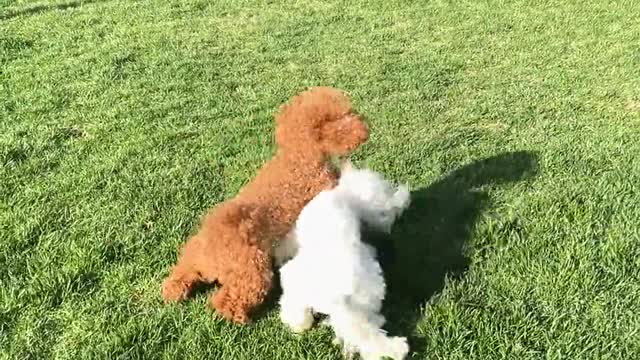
428	242
44	8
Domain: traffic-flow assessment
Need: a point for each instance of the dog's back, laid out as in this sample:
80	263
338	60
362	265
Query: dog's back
332	262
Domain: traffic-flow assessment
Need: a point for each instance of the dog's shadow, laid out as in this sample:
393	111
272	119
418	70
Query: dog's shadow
428	241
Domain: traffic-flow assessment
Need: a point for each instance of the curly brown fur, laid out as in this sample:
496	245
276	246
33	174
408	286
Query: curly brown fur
233	246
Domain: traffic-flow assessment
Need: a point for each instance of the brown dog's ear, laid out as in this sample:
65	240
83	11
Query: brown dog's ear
344	135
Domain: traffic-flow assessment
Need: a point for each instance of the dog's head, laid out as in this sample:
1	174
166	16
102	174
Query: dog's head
320	119
379	201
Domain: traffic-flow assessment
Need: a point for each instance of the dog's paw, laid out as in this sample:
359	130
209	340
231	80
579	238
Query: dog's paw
298	321
348	352
174	290
300	328
228	310
397	348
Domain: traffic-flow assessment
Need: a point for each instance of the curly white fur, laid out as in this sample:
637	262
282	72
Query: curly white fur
334	272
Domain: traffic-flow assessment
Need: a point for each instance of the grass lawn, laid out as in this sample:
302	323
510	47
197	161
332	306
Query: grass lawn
516	123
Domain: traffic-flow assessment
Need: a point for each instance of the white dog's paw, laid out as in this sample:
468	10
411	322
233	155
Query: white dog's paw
348	352
299	322
397	348
336	341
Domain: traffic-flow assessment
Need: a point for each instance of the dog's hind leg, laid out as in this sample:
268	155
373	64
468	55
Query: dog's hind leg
360	332
185	274
294	310
246	287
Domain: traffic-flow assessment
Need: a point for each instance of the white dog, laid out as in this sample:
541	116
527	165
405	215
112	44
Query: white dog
333	272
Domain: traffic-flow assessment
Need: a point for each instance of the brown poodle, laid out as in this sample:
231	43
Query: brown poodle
234	244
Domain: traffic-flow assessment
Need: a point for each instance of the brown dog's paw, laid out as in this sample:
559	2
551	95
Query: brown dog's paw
174	290
228	309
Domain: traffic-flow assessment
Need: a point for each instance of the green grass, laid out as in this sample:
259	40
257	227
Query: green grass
517	125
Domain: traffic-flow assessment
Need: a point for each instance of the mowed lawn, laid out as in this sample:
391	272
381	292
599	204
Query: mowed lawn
516	123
